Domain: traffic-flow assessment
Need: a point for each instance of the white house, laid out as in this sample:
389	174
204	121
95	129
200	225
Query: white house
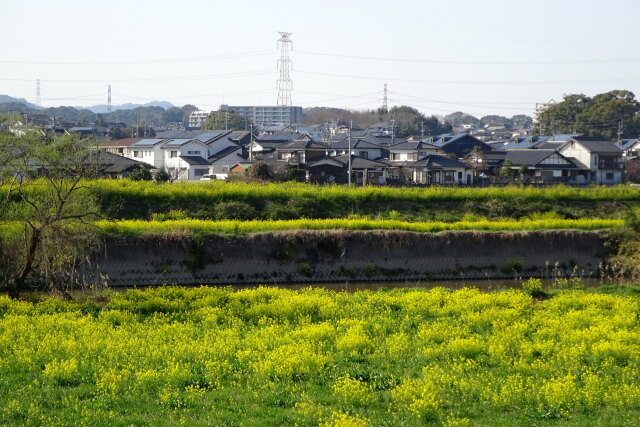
601	157
186	159
148	151
411	151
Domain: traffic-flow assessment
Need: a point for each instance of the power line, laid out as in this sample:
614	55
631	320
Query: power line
458	62
146	61
154	79
496	82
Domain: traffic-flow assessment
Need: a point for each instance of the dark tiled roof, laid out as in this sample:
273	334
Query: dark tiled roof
355	143
195	160
411	145
224	152
435	161
361	163
599	146
279	137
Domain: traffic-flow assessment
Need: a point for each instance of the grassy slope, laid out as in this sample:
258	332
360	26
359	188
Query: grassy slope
243	227
272	357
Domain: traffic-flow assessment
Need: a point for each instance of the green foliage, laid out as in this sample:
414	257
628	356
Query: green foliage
597	116
162	176
259	171
47	209
268	356
142	174
227	120
168	227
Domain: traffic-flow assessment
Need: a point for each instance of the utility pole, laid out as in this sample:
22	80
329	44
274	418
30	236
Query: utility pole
620	127
251	145
350	126
226	120
393	131
421	130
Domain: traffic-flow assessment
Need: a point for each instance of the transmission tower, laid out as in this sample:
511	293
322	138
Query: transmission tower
38	100
284	65
109	98
384	100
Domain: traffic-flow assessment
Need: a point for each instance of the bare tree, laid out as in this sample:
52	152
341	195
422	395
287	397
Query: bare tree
48	209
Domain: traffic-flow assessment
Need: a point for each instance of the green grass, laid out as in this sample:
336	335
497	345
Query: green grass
202	227
270	356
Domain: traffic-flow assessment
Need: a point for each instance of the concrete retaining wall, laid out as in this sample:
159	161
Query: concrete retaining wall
326	256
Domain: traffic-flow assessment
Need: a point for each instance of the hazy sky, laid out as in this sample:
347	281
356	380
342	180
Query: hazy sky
481	57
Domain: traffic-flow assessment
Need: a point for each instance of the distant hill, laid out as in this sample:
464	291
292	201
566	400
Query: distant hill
103	108
6	99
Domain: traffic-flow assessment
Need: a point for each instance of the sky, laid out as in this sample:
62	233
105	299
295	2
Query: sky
480	57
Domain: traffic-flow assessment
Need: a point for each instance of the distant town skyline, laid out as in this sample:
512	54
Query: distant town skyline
494	57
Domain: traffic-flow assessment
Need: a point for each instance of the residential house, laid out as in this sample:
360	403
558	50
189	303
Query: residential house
411	150
459	145
149	151
336	169
186	159
545	166
603	158
361	147
121	147
225	160
300	152
439	170
112	165
630	147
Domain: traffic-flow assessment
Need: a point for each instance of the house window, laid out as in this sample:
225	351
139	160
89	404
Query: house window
459	176
394	156
193	152
364	154
200	172
173	153
448	176
609	176
136	153
412	156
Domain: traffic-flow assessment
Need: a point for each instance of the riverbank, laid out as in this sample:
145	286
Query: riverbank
325	256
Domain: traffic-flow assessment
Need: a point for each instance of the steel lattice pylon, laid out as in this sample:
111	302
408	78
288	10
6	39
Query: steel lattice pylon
285	85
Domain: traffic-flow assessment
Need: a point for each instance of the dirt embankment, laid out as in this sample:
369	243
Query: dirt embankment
336	255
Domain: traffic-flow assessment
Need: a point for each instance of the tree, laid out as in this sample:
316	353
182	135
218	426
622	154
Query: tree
597	116
47	209
522	120
259	170
227	120
494	119
142	174
477	161
506	170
458	118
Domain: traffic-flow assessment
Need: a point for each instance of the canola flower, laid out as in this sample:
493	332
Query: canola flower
270	356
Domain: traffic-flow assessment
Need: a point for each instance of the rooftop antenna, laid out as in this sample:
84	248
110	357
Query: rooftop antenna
38	100
109	98
384	100
284	65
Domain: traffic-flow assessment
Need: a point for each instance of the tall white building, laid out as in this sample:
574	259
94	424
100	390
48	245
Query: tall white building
197	118
267	115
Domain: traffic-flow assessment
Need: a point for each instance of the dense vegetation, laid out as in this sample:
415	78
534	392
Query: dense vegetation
203	227
269	356
238	200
